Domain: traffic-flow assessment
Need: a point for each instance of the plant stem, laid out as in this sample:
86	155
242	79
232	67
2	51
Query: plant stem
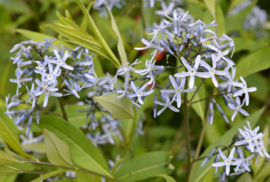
61	103
73	169
207	98
186	125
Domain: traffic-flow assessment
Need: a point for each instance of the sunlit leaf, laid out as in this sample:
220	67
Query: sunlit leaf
253	63
58	152
119	108
7	170
48	175
246	177
167	177
11	140
144	166
6	158
220	20
98	35
83	152
86	177
211	6
35	36
120	45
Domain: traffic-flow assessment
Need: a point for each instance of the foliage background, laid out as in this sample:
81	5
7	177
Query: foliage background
252	57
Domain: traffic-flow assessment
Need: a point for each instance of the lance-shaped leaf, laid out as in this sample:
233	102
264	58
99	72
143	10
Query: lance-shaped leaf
6	158
211	6
35	36
253	63
48	175
119	108
11	140
86	177
83	152
144	166
167	177
120	45
98	34
7	170
58	152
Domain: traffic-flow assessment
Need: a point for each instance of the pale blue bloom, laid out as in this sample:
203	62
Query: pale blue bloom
139	92
237	107
245	90
228	161
192	71
167	104
178	89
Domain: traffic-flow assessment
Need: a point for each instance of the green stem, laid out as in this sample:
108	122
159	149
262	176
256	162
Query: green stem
196	90
73	169
186	125
61	103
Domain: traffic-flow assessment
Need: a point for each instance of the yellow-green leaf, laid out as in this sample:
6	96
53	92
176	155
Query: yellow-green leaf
167	177
86	177
48	175
11	140
58	152
6	158
119	108
120	45
211	6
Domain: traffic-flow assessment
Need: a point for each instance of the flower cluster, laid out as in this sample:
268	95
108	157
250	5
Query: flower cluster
248	139
201	54
42	73
46	71
100	5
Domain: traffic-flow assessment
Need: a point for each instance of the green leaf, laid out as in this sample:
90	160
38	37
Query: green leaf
144	166
35	36
58	152
98	34
83	152
7	170
9	178
234	22
209	176
167	177
220	20
200	172
11	140
10	124
120	45
86	177
48	175
6	158
249	45
211	6
246	177
119	108
198	107
35	147
254	62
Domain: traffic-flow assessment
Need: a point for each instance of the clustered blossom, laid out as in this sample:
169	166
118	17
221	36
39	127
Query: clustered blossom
203	55
100	5
246	139
45	70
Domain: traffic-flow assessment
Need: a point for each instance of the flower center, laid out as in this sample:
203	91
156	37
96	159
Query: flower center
50	76
59	61
178	90
212	71
44	85
139	93
41	67
245	89
228	162
248	139
192	72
